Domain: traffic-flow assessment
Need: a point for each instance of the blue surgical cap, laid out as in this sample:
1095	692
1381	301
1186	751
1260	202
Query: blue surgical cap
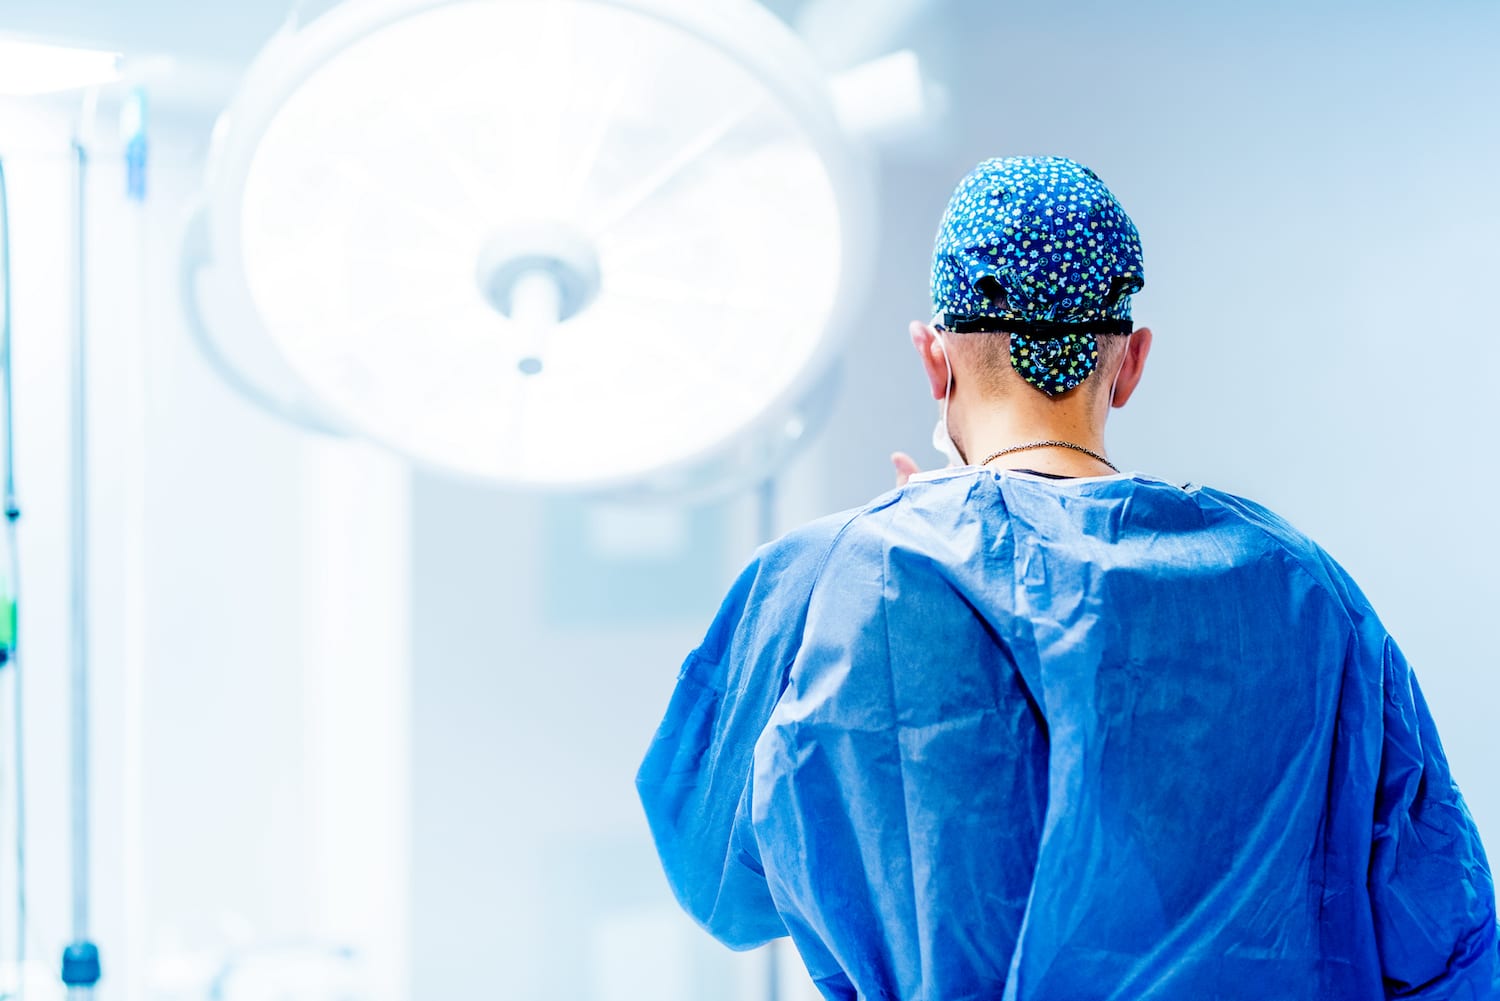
1038	247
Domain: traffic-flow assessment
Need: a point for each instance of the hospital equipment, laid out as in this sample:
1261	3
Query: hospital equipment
31	68
579	246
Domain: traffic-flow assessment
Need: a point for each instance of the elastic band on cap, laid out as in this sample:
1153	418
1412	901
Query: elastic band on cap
1032	328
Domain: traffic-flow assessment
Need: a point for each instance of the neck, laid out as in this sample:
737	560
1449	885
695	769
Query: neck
996	426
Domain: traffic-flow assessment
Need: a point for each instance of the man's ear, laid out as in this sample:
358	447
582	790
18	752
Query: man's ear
1132	366
934	362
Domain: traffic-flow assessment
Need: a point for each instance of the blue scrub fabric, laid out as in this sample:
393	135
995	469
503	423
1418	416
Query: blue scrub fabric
1000	737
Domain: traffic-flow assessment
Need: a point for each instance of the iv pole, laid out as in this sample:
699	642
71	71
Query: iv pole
80	963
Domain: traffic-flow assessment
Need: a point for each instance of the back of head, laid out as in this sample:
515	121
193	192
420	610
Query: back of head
1039	249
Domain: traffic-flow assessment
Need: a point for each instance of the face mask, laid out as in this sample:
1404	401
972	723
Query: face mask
942	439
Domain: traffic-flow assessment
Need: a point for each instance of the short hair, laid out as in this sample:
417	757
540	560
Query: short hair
988	355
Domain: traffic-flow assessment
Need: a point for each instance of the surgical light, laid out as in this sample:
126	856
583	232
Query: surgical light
29	68
566	244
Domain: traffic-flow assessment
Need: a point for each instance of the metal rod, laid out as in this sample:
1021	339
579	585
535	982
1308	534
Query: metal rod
80	966
79	550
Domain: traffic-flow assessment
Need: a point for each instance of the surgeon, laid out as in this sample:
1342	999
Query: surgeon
1032	728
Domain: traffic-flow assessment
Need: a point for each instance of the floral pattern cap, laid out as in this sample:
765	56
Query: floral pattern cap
1038	248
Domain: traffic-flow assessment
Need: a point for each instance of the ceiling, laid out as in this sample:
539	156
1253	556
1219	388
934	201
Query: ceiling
191	52
228	32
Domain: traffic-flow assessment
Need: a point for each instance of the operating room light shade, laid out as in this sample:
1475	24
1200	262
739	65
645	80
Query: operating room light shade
382	180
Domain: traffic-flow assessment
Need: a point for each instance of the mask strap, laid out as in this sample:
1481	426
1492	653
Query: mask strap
948	387
1118	369
947	390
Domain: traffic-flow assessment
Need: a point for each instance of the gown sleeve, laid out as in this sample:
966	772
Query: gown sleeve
695	782
1431	892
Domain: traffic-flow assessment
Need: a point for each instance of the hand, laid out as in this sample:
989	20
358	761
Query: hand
906	467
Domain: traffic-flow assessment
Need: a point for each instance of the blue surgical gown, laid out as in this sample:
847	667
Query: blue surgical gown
1000	737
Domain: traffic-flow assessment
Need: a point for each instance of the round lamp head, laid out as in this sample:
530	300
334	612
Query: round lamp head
568	244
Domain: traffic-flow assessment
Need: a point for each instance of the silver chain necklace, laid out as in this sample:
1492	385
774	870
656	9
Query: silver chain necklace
1050	444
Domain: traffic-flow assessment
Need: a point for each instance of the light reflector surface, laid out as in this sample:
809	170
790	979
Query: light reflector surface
384	175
